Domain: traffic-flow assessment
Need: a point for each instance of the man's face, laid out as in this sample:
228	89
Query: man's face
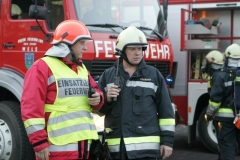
79	48
134	54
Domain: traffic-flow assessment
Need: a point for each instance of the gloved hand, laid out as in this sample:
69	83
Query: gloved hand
211	111
208	117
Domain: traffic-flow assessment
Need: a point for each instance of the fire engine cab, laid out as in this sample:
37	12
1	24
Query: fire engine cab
196	27
26	28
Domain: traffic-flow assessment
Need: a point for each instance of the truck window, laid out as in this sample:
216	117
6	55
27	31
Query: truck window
139	13
15	11
97	11
56	13
20	9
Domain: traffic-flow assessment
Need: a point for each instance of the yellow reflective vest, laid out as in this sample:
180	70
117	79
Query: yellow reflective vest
70	119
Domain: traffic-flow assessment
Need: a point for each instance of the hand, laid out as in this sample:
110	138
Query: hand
208	117
211	110
112	92
43	154
95	100
165	151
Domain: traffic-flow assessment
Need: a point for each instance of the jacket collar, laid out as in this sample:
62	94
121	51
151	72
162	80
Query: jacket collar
140	71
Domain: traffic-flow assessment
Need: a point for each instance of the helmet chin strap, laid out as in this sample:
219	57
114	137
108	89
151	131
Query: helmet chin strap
74	59
124	56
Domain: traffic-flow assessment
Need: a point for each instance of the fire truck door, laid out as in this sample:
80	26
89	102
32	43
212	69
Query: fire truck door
22	40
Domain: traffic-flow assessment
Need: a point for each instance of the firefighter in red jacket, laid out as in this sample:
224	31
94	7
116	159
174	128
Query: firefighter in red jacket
55	105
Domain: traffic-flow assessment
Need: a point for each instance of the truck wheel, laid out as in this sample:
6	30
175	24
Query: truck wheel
14	143
207	133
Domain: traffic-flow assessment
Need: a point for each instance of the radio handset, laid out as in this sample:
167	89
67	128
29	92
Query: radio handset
117	79
91	90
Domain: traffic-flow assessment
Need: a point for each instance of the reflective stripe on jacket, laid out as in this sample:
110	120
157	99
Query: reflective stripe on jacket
70	120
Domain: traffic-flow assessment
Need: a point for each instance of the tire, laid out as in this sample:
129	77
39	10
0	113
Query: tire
207	133
14	143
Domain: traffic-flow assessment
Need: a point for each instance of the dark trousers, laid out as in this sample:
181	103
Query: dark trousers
227	137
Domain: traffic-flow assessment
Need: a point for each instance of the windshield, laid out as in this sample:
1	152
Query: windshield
115	15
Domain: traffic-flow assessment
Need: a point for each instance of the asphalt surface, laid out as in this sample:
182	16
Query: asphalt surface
182	151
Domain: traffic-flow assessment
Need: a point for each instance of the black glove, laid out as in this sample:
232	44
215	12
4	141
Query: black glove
211	111
208	117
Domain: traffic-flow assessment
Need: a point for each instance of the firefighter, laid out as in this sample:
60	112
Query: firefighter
221	107
139	117
214	62
54	105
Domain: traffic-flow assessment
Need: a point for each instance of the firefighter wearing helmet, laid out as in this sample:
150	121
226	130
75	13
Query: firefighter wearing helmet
214	62
55	105
221	106
135	92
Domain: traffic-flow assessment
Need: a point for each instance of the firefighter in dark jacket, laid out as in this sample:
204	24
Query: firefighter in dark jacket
221	108
139	117
214	62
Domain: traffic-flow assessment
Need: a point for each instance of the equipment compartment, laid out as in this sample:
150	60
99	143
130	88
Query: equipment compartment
199	44
200	29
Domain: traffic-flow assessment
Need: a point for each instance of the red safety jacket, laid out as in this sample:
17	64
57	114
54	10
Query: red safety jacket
36	93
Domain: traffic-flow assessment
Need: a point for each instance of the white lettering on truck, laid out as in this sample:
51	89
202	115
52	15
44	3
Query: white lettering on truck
107	46
30	49
30	43
21	40
154	51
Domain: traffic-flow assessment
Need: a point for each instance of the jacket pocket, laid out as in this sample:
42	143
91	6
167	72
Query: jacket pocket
137	101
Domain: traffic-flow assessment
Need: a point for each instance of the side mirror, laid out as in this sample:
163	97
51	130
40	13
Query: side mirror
165	9
39	1
38	12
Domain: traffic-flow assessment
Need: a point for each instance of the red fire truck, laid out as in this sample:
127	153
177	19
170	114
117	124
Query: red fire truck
197	27
27	33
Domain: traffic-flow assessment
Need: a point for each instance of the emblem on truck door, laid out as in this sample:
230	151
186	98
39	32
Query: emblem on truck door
28	59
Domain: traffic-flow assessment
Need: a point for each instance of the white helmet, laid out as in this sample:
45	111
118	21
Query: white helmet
15	10
214	61
215	56
131	37
233	51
